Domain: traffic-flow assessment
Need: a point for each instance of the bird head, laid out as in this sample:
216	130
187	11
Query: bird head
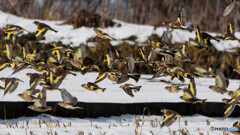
163	110
167	88
36	22
211	87
95	29
28	74
3	79
230	93
31	107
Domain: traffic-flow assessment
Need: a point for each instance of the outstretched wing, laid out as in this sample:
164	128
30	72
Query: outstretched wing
228	9
68	98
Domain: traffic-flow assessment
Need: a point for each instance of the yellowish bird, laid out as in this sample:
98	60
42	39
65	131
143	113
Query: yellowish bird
170	117
190	93
40	104
93	87
221	83
103	35
42	29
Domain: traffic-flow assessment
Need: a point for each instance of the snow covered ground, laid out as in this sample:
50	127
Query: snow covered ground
68	35
151	91
117	125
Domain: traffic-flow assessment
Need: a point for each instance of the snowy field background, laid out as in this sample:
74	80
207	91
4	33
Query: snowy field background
121	125
151	91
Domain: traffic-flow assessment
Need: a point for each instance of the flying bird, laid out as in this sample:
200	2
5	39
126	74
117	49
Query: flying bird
102	34
128	88
170	117
42	28
221	83
69	101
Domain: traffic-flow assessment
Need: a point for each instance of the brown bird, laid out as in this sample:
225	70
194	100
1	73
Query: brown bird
34	79
178	24
28	95
173	88
40	105
221	83
11	84
69	101
129	87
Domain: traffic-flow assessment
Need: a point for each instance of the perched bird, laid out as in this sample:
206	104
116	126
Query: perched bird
42	29
221	83
170	117
129	87
69	101
11	84
40	104
174	88
190	93
93	87
230	6
101	34
28	95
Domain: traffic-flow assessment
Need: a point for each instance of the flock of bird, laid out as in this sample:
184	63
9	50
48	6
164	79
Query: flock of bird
55	64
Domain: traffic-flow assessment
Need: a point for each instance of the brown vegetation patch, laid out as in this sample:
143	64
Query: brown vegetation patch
88	19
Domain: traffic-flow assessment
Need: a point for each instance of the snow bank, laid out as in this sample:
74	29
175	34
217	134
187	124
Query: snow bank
68	35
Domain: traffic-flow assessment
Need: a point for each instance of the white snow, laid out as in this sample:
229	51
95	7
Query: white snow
68	35
151	91
117	125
